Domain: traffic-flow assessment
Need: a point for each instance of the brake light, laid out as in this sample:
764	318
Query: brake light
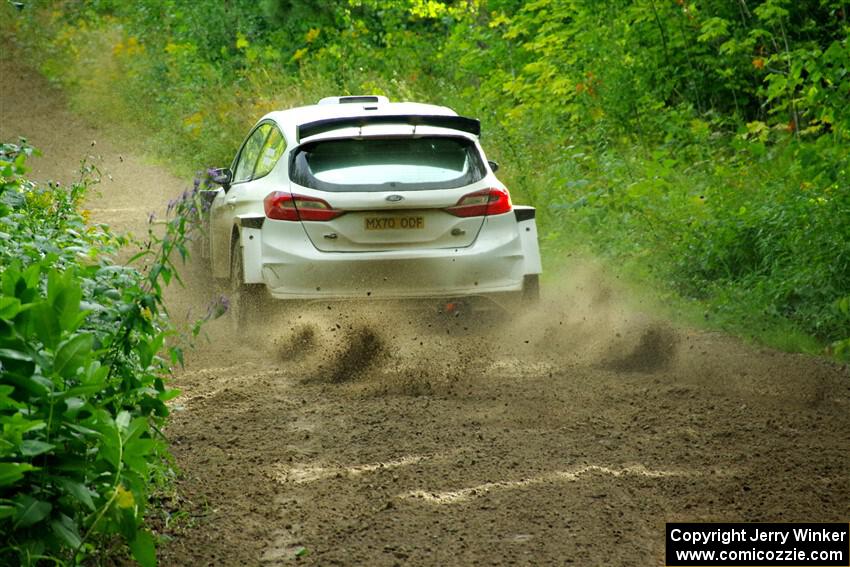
280	205
481	203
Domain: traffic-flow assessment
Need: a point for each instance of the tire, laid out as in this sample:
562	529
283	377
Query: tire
245	299
531	289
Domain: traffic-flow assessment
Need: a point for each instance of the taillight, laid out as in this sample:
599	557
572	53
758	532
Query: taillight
280	205
481	203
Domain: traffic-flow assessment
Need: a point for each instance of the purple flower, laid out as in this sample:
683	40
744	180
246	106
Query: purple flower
218	308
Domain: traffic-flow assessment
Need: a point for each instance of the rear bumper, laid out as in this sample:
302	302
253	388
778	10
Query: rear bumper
292	268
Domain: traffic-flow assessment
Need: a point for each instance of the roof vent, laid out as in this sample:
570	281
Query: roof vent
359	99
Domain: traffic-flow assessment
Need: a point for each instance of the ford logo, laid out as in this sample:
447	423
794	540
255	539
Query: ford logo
395	198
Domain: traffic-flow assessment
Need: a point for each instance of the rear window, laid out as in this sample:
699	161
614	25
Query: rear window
382	164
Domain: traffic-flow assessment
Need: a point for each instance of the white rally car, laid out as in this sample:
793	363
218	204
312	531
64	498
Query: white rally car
357	197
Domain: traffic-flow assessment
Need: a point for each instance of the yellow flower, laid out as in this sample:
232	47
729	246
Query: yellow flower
129	47
299	54
312	35
194	123
124	498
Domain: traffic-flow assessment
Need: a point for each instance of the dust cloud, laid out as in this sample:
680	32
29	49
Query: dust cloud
414	349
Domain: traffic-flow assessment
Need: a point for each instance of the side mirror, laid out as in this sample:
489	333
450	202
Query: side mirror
493	165
222	176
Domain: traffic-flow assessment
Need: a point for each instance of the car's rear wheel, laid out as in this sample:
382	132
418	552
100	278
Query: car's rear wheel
531	288
245	299
518	302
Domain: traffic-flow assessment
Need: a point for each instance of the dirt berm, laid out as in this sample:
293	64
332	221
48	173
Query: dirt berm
348	436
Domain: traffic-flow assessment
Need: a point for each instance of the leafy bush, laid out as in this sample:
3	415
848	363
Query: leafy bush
82	395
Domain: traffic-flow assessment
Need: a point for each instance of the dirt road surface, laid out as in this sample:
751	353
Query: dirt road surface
569	436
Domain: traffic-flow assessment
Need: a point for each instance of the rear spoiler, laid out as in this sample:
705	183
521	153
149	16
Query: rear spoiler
470	125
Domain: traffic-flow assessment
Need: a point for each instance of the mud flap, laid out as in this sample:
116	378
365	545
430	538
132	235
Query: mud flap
251	238
528	235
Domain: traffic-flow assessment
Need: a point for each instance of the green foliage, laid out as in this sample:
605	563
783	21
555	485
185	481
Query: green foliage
706	142
842	348
82	395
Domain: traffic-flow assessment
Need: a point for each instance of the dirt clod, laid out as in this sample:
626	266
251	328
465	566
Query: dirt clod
654	351
363	348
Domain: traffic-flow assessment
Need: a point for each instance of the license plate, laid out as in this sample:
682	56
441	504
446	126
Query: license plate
395	223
